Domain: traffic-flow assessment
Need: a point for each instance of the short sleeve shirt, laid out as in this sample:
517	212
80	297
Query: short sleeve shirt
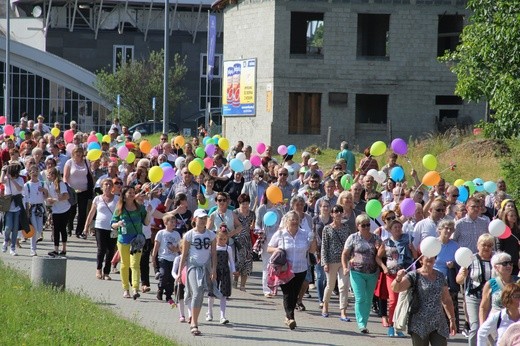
363	252
200	246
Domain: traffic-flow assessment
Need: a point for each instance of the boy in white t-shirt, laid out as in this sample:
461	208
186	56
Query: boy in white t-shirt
166	247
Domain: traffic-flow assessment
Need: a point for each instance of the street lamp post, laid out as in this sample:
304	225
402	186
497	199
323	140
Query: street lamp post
166	59
7	84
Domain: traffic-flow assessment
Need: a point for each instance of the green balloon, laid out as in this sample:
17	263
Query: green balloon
22	134
199	161
346	181
373	208
99	137
471	186
200	152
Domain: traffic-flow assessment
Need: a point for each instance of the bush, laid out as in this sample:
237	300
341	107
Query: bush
510	169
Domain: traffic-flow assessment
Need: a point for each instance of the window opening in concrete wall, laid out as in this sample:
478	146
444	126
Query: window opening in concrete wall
445	114
122	55
449	30
338	99
448	100
371	109
307	33
305	113
215	85
373	35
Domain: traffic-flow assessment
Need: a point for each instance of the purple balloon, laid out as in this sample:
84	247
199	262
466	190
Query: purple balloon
399	146
169	174
407	207
210	149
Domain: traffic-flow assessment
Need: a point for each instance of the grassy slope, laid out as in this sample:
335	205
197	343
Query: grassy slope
43	316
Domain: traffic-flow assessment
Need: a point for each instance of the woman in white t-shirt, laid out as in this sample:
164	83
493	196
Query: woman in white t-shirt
199	255
13	183
35	194
59	201
103	207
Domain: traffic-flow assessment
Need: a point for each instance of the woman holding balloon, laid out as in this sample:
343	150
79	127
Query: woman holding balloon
511	244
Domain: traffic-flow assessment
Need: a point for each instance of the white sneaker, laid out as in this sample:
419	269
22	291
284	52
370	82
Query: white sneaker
4	247
13	253
209	317
33	253
223	320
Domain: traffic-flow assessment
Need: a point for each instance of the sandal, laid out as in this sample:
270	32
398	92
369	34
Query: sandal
195	331
136	295
126	294
99	276
106	277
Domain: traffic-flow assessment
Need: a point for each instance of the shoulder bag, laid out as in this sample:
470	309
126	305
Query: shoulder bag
407	304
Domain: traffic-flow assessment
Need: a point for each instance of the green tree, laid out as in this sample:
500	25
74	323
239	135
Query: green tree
487	63
138	82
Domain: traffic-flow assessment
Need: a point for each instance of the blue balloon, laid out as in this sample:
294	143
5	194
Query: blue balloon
237	165
463	194
490	186
270	218
397	174
479	184
205	140
291	149
165	165
93	145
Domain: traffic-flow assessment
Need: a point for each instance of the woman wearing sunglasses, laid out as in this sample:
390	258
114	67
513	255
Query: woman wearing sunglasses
360	259
491	300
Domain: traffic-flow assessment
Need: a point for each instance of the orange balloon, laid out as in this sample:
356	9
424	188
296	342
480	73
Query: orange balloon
274	194
179	141
431	178
145	147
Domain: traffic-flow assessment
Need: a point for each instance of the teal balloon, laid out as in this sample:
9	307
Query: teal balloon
93	145
373	208
291	149
236	165
463	194
490	186
205	140
397	174
479	184
270	218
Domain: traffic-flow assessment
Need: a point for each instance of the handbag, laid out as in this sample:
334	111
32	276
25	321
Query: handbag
407	304
5	201
90	182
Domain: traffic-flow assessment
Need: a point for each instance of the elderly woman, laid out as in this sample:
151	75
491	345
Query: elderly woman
445	262
428	324
502	269
400	253
474	278
346	200
77	174
500	321
297	242
359	258
333	239
243	246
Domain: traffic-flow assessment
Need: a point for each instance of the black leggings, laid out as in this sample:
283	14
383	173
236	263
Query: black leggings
166	280
290	293
106	248
60	227
145	263
81	209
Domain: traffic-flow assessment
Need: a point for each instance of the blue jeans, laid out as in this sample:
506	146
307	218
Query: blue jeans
11	227
37	222
363	285
321	281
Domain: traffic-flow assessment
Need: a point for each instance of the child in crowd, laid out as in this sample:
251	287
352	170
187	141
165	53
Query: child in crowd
225	266
35	194
209	194
166	248
179	286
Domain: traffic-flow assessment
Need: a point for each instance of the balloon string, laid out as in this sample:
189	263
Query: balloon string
411	265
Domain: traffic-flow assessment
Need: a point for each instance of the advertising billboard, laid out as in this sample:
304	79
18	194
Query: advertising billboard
239	88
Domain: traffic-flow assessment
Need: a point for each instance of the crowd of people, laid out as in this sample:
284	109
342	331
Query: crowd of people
201	228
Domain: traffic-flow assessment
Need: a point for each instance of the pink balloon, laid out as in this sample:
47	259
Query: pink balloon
506	234
282	150
8	129
154	152
122	152
169	174
68	136
2	120
92	138
210	149
260	148
256	160
208	162
69	148
407	207
399	146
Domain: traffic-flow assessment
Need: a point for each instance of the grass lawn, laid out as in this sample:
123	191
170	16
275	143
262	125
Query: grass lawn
45	316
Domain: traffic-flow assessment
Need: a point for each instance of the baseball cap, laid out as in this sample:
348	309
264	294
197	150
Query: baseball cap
313	161
200	213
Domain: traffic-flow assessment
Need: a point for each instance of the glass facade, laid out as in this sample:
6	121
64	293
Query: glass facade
36	95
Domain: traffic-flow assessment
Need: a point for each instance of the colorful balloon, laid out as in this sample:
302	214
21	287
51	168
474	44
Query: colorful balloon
208	162
8	130
194	168
2	120
274	194
94	154
92	138
241	156
479	184
429	162
21	134
169	174
130	158
407	207
106	139
463	194
373	208
282	150
93	145
247	165
378	148
291	149
256	160
469	184
200	152
431	178
155	174
210	149
397	174
399	146
497	227
506	234
270	218
145	146
68	136
122	152
430	247
179	141
55	131
346	181
223	143
260	148
179	162
236	165
490	186
136	136
458	182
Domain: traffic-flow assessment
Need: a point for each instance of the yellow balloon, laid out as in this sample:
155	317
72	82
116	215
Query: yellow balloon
179	141
55	131
155	174
106	139
458	182
94	154
223	143
429	162
194	168
130	158
378	148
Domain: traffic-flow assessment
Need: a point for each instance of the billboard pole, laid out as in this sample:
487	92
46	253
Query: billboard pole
166	59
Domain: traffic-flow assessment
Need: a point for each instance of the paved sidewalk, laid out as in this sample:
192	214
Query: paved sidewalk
254	320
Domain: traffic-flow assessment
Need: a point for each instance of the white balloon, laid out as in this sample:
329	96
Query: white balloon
381	177
136	136
497	227
464	257
241	156
430	247
179	162
247	164
373	173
